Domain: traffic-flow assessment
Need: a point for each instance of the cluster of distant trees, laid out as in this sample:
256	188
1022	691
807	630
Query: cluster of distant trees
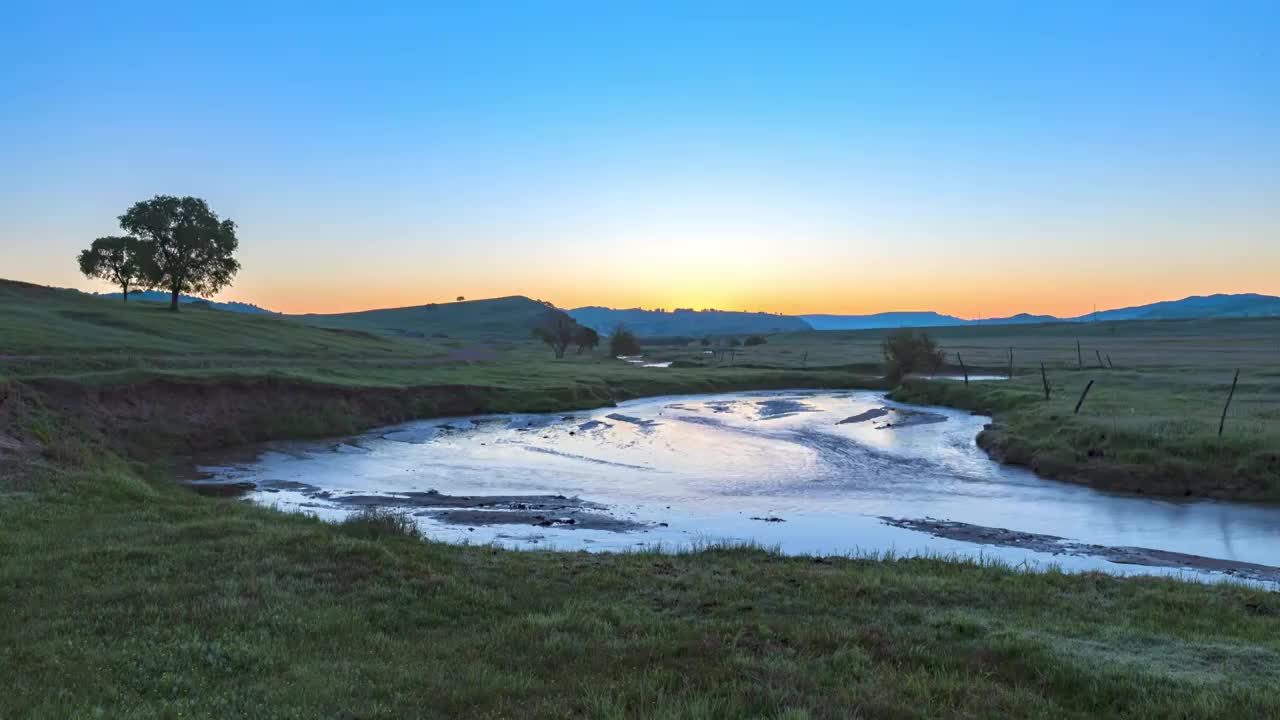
172	243
559	331
751	340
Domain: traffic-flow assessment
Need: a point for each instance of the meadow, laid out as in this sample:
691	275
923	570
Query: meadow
123	594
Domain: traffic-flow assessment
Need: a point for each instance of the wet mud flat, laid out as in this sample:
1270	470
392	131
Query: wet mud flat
898	417
1055	545
470	510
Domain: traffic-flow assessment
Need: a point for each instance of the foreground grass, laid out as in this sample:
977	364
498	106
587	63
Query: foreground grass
135	599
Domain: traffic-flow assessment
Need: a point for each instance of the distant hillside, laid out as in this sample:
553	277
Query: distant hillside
881	320
498	317
1019	319
163	297
693	323
1196	307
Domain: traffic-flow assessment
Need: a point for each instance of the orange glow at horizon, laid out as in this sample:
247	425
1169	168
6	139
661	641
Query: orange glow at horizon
981	298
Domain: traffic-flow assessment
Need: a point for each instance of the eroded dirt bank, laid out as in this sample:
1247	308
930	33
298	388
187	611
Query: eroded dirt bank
157	418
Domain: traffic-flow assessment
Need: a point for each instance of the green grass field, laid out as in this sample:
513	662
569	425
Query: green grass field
125	595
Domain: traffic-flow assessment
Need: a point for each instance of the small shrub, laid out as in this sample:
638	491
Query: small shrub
907	351
754	340
374	523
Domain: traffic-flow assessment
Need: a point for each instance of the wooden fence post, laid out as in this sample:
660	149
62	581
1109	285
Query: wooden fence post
1230	395
1082	395
1099	353
1079	357
1044	377
1010	363
963	369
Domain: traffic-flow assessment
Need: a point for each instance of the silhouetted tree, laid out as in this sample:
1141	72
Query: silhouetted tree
187	248
586	338
907	351
623	342
557	330
115	258
460	298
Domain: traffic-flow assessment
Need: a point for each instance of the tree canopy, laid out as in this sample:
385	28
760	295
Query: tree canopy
188	248
557	330
586	338
116	258
623	342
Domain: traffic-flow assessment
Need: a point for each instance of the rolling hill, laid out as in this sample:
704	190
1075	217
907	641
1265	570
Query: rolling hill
513	316
39	320
1197	306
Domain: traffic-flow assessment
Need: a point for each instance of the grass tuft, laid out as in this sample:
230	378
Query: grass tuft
377	523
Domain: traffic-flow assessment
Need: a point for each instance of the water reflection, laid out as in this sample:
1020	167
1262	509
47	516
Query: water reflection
700	467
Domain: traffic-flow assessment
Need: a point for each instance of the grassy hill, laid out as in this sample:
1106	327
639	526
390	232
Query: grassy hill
506	317
42	320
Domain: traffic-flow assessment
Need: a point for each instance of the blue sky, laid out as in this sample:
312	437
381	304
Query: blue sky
974	158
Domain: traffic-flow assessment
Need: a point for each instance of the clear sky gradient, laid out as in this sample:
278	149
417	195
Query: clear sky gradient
974	158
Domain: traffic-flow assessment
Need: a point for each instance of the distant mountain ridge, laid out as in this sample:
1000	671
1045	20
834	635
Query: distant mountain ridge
693	323
1241	305
516	314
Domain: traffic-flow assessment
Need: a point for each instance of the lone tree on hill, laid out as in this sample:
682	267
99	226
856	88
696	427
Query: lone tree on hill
907	351
623	342
557	330
586	338
187	248
115	258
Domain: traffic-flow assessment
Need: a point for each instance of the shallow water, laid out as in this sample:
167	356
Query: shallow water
777	468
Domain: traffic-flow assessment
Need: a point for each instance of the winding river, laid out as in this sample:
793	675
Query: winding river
808	472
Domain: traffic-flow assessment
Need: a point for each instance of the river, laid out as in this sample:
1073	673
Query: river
807	472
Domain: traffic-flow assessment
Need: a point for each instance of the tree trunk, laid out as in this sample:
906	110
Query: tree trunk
173	300
125	294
